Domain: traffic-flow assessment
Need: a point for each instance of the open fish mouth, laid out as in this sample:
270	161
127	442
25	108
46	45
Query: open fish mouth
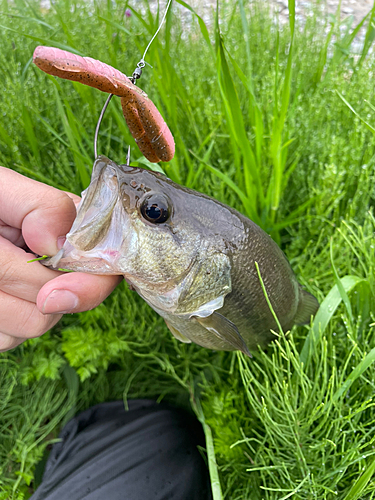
100	228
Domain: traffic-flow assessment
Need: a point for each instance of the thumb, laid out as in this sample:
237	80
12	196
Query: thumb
43	213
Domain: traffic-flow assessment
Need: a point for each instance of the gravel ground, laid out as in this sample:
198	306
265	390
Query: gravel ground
352	11
356	8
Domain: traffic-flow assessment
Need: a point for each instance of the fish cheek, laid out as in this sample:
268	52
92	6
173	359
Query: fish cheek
88	239
90	232
210	278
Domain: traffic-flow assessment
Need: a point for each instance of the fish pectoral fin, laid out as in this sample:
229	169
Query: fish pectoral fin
224	329
177	334
307	307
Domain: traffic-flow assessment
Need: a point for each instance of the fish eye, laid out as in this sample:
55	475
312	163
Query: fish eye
156	208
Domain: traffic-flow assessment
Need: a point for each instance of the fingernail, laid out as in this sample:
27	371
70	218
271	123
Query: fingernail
60	301
60	242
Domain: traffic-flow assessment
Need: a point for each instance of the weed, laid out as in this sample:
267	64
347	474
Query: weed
262	122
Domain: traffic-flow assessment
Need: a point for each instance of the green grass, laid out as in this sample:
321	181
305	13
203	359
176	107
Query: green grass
279	124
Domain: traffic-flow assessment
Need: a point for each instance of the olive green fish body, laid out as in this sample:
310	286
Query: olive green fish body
189	256
246	306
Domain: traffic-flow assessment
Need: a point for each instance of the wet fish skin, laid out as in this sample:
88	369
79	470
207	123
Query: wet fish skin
196	269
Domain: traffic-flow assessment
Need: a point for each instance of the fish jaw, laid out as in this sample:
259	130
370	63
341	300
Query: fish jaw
101	232
70	258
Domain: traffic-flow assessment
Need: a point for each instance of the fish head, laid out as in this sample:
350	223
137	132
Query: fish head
140	224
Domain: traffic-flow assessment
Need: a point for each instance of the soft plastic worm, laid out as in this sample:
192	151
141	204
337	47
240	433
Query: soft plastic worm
145	123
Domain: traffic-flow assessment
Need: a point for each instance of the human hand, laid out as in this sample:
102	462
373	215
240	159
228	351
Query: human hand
32	297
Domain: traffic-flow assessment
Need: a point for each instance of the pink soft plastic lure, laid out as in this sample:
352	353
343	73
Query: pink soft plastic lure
145	123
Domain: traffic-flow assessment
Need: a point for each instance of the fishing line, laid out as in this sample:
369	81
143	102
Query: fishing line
98	125
135	76
142	62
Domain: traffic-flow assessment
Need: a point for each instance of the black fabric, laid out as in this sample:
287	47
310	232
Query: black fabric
147	453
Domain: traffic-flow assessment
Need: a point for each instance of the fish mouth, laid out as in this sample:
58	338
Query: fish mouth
95	241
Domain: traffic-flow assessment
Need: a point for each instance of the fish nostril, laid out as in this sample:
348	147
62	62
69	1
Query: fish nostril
126	168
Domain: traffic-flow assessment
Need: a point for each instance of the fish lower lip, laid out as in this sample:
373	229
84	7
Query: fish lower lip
94	265
71	259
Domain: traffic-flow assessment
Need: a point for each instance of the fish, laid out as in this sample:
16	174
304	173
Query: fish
190	257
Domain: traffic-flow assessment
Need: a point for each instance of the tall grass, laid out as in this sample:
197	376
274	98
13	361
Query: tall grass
262	121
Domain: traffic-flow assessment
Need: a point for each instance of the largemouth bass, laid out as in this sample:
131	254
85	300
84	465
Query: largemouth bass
190	257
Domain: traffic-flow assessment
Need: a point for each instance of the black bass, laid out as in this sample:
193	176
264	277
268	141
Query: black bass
190	257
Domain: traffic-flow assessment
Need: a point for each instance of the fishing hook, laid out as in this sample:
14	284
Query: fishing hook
98	125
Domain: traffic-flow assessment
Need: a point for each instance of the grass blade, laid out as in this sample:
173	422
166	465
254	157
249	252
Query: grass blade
359	486
202	25
369	37
356	373
278	154
29	19
212	464
40	177
267	299
247	203
324	315
46	41
30	134
234	113
324	52
370	127
340	287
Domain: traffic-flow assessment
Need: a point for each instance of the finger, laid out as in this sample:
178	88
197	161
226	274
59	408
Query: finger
18	277
12	234
76	199
75	292
20	318
42	212
7	342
